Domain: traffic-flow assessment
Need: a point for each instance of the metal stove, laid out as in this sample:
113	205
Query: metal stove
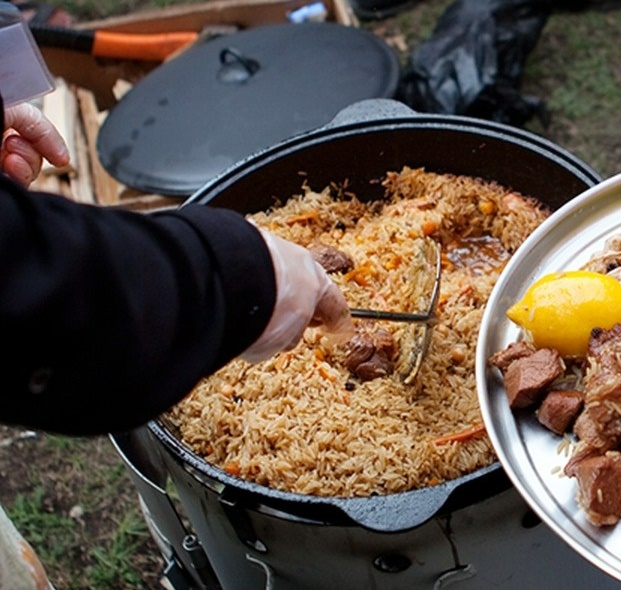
208	544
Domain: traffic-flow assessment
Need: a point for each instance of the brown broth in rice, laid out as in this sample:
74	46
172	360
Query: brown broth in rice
300	422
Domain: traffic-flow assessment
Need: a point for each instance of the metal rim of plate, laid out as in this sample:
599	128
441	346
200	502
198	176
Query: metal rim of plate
527	451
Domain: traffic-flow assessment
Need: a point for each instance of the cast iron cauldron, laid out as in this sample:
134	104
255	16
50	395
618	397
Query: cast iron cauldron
239	522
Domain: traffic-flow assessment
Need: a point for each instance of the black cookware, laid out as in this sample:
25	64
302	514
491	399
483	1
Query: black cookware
225	98
358	148
361	144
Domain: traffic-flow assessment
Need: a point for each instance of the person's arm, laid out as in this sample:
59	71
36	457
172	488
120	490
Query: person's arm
109	317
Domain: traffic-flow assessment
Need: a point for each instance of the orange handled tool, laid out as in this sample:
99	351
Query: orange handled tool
153	46
138	46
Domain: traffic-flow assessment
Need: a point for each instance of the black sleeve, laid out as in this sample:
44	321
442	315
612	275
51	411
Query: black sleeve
109	317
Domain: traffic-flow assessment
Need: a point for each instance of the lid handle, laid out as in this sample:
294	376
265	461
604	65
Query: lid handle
236	67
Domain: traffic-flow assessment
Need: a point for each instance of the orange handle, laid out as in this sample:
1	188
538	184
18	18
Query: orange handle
153	47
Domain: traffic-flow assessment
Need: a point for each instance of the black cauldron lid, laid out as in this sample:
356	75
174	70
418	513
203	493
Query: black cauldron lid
225	99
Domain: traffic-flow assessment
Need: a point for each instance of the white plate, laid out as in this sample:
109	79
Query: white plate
529	452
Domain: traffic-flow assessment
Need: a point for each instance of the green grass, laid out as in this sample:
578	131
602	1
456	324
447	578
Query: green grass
60	544
78	509
114	561
53	535
576	68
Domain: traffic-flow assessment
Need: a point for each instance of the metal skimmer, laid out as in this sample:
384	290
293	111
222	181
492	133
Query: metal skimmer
427	270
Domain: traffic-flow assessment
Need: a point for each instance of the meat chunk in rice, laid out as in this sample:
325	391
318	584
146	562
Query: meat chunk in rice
331	259
369	355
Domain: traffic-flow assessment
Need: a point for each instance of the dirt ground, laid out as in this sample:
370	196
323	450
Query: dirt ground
73	501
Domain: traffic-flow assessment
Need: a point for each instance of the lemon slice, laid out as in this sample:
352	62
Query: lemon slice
561	309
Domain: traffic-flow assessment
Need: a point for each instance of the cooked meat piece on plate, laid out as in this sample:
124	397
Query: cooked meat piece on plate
599	425
503	358
526	378
608	261
559	409
580	454
603	372
599	493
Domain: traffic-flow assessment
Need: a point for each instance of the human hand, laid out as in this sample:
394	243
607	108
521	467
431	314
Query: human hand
29	136
305	296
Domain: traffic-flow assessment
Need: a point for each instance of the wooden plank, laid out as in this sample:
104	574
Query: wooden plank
107	189
47	183
82	182
196	16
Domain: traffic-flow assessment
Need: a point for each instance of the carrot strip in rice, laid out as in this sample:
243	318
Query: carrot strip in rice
462	435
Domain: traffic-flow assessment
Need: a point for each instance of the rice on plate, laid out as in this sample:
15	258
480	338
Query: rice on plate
301	421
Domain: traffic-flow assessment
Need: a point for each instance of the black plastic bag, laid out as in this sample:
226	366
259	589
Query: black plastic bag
473	63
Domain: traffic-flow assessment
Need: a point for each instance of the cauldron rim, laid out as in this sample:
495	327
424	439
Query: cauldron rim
388	115
421	504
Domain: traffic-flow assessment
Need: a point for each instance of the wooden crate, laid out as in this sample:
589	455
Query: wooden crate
87	87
